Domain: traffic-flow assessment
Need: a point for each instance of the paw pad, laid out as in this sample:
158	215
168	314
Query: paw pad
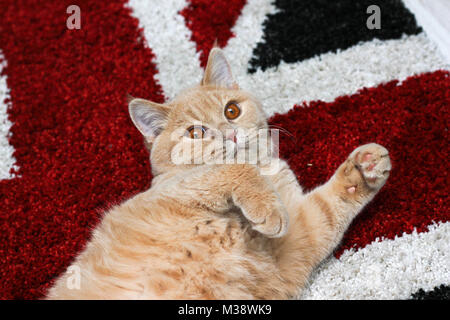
351	190
372	160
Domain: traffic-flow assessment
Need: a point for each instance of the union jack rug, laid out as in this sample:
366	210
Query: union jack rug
324	71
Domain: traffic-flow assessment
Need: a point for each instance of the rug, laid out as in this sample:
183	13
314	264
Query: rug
325	73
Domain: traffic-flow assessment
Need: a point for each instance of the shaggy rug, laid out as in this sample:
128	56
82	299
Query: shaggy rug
68	149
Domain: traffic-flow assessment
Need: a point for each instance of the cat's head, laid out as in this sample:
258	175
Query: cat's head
208	123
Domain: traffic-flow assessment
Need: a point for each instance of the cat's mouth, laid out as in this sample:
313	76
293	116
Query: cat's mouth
239	142
241	150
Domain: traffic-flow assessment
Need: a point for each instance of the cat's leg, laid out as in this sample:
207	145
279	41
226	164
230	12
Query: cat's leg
286	184
319	219
262	206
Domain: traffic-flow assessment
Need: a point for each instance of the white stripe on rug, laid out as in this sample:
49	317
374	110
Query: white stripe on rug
169	39
248	32
330	75
387	269
6	150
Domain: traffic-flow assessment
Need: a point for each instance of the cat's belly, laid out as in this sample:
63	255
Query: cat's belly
224	258
211	256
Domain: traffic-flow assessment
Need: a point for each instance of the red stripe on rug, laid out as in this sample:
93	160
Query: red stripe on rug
76	147
411	120
209	23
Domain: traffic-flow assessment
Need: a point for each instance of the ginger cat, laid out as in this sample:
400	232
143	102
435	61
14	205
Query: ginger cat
206	230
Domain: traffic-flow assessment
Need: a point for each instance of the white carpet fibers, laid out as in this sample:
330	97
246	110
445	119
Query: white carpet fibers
330	75
386	269
169	39
6	150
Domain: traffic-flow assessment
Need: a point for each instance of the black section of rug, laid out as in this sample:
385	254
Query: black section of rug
439	293
302	29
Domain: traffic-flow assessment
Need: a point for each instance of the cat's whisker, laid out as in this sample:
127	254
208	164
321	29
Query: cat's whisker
282	130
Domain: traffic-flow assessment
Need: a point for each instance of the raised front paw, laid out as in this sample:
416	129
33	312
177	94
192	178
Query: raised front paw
265	213
367	168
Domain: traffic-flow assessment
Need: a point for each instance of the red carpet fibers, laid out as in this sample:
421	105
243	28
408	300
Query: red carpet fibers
78	152
75	145
209	23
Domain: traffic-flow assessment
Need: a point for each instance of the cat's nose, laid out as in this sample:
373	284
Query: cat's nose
231	135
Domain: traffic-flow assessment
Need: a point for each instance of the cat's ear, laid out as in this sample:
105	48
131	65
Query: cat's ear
218	71
149	117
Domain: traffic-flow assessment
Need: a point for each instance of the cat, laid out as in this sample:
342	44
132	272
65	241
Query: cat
218	230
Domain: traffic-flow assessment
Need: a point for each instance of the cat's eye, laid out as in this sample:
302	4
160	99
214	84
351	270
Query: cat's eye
196	132
232	110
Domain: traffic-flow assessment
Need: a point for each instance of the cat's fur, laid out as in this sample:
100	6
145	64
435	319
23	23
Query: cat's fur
211	231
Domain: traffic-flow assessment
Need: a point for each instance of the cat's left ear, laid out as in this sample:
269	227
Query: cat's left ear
218	71
149	117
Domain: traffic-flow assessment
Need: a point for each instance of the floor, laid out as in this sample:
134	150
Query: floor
434	17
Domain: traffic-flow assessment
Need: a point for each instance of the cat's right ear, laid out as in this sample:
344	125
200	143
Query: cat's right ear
149	117
218	71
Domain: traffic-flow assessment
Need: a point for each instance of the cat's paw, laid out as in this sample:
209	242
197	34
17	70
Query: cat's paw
267	216
275	221
367	168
